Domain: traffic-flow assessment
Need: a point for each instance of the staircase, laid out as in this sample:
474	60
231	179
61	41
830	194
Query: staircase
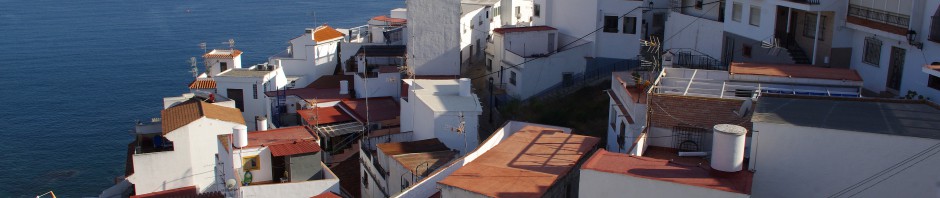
798	56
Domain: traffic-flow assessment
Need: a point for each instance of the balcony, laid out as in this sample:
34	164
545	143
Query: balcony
887	21
810	2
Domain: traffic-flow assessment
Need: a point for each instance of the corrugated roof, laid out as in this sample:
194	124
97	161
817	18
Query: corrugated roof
522	29
422	164
794	71
379	109
326	33
420	146
280	136
665	169
184	113
325	115
526	164
202	84
217	53
294	148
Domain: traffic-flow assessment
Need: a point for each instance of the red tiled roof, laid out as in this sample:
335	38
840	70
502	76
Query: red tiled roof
324	115
330	82
294	148
526	164
327	194
202	84
380	108
280	136
392	21
184	192
388	69
794	71
668	168
190	111
326	33
522	29
222	54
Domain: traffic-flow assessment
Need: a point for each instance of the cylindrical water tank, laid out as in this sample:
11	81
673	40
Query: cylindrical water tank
240	134
464	87
728	147
343	87
261	122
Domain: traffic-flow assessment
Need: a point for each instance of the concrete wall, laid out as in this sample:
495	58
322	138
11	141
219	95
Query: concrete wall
474	26
601	184
701	35
295	189
253	107
636	111
215	64
543	73
618	45
794	161
759	33
309	59
434	26
386	84
264	156
444	124
305	167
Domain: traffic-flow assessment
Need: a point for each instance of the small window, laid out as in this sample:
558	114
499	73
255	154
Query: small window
933	82
613	117
487	14
809	26
251	163
254	91
489	64
537	10
746	51
223	66
610	24
755	16
699	4
365	179
872	52
629	25
736	12
512	77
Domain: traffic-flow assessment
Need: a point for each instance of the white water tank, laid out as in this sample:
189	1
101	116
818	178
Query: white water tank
728	147
464	87
240	134
343	87
261	122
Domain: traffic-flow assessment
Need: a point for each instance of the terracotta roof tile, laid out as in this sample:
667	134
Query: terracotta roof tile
525	164
392	21
324	115
522	29
327	194
222	53
326	33
284	135
795	71
665	167
294	148
189	111
202	84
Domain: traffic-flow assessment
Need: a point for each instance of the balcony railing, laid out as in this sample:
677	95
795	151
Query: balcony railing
881	16
811	2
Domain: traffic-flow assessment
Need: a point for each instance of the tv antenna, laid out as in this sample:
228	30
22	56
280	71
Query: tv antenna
203	46
193	63
461	129
231	43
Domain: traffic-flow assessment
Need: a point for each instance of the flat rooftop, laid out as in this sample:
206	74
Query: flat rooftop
324	115
247	72
422	164
382	50
795	71
420	146
311	94
664	164
284	135
525	164
882	116
766	78
378	108
443	95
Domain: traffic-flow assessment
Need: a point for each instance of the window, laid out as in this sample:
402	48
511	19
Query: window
933	82
251	163
237	96
613	117
537	10
736	12
746	51
755	16
223	66
809	26
487	14
489	64
512	77
699	4
934	34
629	25
365	179
872	52
610	24
254	91
518	12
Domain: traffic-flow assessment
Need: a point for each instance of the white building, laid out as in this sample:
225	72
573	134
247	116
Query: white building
376	72
247	87
177	152
476	22
282	162
619	23
311	55
608	174
529	60
442	109
434	37
826	147
220	60
397	165
381	30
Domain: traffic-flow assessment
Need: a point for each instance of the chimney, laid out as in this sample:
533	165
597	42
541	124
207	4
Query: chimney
464	84
343	87
728	147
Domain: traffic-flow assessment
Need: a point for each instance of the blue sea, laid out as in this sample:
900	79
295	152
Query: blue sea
75	75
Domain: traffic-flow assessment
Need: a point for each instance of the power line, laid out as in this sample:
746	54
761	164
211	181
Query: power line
887	170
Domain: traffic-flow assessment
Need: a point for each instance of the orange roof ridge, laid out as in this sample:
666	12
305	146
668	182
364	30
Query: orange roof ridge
187	112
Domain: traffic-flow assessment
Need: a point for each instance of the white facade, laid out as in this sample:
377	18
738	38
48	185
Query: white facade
475	27
797	161
218	61
252	82
434	31
691	32
191	163
573	18
308	59
631	122
602	184
521	68
436	109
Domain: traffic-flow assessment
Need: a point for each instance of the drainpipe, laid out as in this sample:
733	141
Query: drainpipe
816	37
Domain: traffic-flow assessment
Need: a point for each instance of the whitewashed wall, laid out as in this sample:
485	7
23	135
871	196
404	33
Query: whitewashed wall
705	36
602	184
296	189
434	26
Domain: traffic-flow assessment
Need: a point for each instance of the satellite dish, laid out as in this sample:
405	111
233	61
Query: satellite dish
231	184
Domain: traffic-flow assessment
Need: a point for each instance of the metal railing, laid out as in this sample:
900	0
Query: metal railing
695	60
881	16
811	2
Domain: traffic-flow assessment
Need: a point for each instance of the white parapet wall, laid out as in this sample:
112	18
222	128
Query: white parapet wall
295	189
